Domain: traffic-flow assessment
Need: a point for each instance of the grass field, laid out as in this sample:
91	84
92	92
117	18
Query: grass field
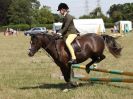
22	77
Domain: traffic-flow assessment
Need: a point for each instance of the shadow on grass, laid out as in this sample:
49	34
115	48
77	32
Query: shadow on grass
62	86
46	86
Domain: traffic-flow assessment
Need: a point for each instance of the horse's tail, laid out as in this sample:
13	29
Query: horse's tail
113	47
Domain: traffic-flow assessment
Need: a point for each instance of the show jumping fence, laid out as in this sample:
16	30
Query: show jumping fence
92	68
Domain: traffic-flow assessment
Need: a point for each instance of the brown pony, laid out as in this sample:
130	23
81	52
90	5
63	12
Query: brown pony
92	46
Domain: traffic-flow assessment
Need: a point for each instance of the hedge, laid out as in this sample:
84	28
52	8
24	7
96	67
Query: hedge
109	25
22	27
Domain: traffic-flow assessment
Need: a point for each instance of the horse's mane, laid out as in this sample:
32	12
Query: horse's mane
49	36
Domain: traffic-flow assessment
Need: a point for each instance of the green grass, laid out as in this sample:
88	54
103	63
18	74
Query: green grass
22	77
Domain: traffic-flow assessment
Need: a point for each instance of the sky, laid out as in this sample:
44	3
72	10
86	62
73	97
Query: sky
77	7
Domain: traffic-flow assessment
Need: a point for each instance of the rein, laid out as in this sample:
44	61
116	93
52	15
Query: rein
53	40
48	45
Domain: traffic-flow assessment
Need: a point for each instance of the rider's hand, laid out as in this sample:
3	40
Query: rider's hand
59	34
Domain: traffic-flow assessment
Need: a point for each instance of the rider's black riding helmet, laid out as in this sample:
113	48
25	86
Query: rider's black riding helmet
62	6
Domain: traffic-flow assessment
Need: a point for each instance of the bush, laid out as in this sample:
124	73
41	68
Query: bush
19	27
49	26
22	27
109	25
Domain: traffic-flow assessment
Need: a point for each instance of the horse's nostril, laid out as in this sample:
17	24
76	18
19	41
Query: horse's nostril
30	54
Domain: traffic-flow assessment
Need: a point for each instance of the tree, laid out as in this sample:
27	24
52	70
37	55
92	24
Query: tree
4	5
121	12
45	16
84	17
128	11
57	18
96	13
21	11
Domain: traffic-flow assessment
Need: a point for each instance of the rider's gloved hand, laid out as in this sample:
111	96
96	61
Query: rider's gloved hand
60	35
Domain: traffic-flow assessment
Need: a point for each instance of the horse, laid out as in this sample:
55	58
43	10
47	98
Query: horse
92	46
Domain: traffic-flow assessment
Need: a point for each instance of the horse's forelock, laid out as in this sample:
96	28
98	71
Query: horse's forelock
49	36
35	35
40	36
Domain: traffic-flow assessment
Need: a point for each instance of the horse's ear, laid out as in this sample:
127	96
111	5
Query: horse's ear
32	35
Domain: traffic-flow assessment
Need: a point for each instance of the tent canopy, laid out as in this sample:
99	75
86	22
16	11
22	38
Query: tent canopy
89	25
124	25
85	26
57	26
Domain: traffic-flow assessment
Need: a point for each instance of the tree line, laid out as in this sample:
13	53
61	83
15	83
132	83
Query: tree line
115	13
29	12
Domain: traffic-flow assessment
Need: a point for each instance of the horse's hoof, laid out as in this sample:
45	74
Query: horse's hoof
66	90
73	84
94	65
87	70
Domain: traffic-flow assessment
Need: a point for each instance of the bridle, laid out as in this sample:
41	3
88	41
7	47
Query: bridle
32	49
52	40
48	45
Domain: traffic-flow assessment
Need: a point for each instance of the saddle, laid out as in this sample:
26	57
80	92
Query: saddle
76	45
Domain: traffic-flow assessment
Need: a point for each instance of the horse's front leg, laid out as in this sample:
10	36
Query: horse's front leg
68	74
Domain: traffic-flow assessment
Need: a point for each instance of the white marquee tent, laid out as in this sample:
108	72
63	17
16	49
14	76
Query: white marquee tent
57	26
85	26
124	25
89	25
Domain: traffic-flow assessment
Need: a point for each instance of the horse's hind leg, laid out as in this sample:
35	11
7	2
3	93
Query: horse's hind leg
89	64
94	60
100	58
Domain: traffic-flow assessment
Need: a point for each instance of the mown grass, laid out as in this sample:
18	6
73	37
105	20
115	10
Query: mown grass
22	77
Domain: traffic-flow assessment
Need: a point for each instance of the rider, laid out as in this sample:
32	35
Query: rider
68	30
